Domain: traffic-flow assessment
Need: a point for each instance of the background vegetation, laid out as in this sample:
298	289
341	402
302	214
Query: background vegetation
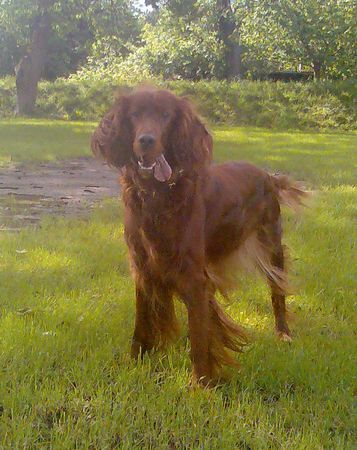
190	39
321	105
89	48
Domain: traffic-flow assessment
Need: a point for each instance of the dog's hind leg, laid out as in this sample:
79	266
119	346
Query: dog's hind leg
278	298
275	272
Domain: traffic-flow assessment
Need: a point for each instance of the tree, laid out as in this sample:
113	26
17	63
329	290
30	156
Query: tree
316	33
181	46
51	38
224	17
229	35
29	69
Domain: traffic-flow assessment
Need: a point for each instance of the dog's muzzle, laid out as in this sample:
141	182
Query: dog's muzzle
160	168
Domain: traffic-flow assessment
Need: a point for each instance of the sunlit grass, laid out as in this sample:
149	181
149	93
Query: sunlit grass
321	158
49	140
67	312
42	140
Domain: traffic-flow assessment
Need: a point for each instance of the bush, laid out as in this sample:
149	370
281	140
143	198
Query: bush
7	96
323	105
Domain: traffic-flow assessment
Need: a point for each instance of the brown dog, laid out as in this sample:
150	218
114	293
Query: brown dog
188	223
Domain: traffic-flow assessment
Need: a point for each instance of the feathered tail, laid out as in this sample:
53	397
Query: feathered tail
290	193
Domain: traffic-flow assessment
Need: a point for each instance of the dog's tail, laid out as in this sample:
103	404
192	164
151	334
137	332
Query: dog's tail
290	193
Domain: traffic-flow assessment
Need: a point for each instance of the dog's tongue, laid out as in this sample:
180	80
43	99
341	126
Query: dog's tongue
162	170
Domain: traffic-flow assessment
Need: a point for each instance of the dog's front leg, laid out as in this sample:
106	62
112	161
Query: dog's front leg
199	324
155	323
143	337
213	334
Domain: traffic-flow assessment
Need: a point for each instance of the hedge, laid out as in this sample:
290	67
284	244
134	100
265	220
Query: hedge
322	105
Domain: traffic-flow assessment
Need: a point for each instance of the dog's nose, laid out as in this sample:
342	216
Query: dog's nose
146	140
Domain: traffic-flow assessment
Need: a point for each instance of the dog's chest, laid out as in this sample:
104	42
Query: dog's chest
161	221
161	230
163	226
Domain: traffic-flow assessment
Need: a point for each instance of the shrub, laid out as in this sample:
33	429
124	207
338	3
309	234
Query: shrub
323	105
7	96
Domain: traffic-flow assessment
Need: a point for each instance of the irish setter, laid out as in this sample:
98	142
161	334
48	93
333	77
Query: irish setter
188	223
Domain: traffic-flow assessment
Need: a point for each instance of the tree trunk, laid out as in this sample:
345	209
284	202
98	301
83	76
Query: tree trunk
29	69
317	68
232	50
234	60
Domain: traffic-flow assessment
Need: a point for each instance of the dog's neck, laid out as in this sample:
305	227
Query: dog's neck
149	194
143	180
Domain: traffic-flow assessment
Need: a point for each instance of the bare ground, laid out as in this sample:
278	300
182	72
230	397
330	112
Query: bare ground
70	187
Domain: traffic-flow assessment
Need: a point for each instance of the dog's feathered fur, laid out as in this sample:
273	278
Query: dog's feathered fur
186	235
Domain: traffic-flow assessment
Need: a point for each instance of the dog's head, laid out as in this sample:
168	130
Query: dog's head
156	132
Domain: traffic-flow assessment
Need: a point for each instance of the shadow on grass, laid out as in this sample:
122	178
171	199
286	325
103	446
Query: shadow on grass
317	158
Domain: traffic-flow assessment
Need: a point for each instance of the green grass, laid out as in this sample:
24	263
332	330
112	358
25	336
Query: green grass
67	311
42	140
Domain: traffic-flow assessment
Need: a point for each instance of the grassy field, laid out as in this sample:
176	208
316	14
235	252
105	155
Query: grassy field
67	311
42	140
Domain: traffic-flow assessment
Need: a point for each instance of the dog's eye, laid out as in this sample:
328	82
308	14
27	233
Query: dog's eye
135	114
166	115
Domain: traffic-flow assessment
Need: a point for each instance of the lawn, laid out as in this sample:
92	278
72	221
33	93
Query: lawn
67	312
42	140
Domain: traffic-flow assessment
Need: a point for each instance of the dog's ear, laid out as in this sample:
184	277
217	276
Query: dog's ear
190	142
112	139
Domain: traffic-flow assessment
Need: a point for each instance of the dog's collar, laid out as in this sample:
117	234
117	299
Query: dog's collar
176	175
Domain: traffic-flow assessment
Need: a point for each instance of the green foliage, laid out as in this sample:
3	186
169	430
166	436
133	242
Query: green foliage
76	26
184	38
319	34
7	96
323	105
67	314
173	47
178	48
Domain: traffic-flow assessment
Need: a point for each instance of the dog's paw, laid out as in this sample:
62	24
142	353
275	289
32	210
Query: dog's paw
284	337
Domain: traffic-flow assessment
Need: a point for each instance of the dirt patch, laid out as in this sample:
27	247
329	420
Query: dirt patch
71	187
